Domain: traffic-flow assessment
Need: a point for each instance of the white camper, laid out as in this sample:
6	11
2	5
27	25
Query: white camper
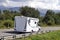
26	24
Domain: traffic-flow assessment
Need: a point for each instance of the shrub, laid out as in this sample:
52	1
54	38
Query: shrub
8	23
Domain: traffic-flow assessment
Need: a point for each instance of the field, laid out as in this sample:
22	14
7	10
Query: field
47	36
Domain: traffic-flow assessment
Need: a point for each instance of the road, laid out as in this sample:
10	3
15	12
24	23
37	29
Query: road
9	32
50	28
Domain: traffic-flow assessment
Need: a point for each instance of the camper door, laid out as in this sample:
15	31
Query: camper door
32	23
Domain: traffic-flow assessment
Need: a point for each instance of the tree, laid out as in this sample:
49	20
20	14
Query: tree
0	11
30	12
49	17
7	15
57	18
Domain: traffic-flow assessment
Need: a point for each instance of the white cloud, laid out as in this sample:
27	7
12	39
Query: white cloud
44	4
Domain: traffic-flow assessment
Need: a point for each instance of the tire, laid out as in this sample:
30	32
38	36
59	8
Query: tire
39	29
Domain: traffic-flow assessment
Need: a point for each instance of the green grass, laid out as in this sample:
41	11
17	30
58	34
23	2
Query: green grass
47	36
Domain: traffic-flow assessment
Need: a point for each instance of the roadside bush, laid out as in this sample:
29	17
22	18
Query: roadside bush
2	26
7	23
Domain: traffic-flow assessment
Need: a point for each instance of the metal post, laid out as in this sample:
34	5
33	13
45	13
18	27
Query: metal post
38	31
24	36
14	37
30	35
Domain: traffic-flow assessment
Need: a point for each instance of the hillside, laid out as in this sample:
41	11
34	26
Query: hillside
42	11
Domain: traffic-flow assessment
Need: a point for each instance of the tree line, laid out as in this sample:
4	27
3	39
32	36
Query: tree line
7	17
51	18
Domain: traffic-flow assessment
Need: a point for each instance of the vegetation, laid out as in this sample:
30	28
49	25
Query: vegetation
7	17
47	36
29	12
51	18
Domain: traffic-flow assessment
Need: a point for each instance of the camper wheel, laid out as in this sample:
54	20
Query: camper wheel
39	29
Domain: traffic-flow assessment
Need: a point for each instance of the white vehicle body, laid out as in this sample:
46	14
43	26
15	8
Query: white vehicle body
26	24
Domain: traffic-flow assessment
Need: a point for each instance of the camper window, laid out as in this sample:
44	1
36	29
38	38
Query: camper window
35	22
28	21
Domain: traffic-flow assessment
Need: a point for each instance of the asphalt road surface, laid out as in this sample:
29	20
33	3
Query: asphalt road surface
8	32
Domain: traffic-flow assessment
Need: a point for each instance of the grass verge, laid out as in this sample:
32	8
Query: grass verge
47	36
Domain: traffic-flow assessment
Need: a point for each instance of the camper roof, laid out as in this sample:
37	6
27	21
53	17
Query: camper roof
27	17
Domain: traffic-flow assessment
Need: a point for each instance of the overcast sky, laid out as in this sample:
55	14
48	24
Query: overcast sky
44	4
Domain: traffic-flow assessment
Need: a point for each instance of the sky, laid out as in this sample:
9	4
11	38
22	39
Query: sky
43	4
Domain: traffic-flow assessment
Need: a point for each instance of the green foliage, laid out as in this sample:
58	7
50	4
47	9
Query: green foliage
1	25
8	23
49	18
30	12
57	19
7	17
